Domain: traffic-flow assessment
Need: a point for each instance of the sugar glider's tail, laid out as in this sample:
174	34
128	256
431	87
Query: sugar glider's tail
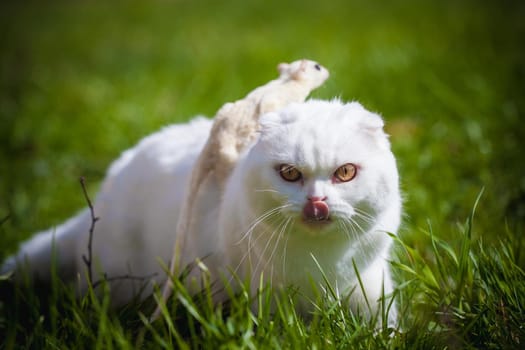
54	248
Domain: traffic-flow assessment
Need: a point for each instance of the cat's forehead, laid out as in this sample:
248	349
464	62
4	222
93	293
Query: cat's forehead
321	120
322	131
315	113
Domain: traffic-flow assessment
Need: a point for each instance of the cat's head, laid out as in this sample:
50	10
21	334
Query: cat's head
326	163
306	71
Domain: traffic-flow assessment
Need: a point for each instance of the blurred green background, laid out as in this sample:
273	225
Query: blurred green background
81	81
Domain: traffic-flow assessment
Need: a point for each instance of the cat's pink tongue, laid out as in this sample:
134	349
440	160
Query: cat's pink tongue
316	210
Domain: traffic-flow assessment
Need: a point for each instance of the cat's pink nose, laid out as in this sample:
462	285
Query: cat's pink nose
316	209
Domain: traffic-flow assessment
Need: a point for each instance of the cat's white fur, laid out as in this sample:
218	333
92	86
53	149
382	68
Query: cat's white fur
257	227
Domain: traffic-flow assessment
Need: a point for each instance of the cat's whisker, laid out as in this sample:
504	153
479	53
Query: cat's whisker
364	220
349	229
361	236
260	219
359	228
353	228
364	215
359	218
285	249
265	234
252	243
282	231
262	233
265	190
262	254
344	229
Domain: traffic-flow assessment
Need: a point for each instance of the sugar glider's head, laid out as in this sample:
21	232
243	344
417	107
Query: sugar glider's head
305	71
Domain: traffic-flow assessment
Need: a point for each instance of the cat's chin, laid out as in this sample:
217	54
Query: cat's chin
316	226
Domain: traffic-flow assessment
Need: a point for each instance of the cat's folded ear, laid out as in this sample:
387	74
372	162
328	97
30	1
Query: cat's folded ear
372	124
359	115
268	122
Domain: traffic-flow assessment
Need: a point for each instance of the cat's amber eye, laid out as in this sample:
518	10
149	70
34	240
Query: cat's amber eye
289	172
345	172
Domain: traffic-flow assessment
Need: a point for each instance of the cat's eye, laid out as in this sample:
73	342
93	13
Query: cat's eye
345	172
289	172
318	67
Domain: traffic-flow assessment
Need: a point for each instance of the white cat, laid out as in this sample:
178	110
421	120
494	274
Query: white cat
319	186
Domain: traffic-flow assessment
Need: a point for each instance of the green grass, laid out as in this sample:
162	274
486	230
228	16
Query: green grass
82	81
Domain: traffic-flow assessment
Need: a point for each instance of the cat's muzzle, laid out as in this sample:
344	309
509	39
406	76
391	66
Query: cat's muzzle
316	211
